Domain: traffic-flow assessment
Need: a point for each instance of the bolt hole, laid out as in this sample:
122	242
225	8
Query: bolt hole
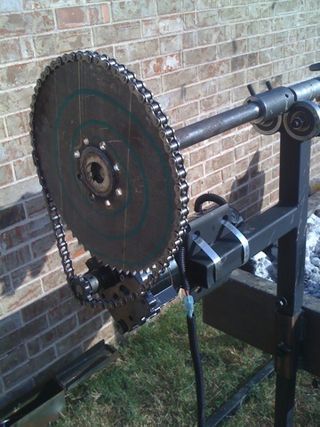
95	171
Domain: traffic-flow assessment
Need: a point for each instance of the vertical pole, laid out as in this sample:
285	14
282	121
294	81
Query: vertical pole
294	186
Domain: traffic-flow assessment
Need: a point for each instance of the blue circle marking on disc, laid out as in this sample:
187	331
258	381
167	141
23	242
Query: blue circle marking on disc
163	162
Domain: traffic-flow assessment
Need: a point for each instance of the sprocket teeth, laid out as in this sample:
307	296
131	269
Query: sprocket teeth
171	146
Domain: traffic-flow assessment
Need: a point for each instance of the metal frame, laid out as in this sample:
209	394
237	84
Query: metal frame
285	223
215	248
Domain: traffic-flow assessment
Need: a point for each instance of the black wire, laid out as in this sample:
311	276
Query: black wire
193	342
196	359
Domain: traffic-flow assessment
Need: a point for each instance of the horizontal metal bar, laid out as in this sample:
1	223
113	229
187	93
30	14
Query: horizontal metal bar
260	231
207	128
241	395
266	105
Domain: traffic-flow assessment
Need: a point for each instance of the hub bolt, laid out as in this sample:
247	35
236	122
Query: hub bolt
107	203
103	146
86	141
116	167
76	154
118	192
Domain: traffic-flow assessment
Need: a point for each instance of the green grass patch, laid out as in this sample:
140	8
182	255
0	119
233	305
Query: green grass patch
152	382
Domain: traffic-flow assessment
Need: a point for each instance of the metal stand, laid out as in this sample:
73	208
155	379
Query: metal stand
294	183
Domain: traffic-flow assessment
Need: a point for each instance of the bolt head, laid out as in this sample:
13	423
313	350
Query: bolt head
86	141
116	167
76	154
92	196
102	145
118	192
107	203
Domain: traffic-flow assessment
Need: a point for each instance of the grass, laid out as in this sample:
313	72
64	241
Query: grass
152	382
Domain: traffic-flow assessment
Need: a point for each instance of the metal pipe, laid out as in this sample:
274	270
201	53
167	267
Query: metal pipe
215	125
260	106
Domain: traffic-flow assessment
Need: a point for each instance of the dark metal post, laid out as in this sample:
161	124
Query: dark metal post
294	184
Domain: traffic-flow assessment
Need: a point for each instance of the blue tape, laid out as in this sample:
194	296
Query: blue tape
189	305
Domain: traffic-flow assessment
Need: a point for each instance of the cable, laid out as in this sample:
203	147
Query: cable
193	337
196	359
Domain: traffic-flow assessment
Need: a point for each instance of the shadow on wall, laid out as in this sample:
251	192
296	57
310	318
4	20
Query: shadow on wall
247	191
25	239
42	325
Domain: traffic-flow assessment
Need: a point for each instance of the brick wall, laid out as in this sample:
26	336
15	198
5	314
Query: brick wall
197	56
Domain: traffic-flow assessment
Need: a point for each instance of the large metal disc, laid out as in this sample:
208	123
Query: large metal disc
110	161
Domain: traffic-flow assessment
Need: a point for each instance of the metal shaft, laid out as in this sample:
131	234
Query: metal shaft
264	106
215	125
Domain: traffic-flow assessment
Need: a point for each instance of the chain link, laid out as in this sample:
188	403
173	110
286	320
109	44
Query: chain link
171	145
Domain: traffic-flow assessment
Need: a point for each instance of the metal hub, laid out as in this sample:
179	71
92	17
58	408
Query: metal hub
96	172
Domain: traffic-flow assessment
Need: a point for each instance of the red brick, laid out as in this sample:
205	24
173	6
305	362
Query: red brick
99	14
26	23
17	75
73	339
18	123
36	363
43	245
137	50
72	17
179	78
174	6
15	148
9	51
13	358
52	335
171	44
22	233
199	55
6	175
5	286
104	34
21	296
183	112
217	101
10	323
36	206
108	333
15	100
29	330
13	259
219	162
62	42
3	133
53	279
11	215
51	303
62	309
159	65
24	168
86	313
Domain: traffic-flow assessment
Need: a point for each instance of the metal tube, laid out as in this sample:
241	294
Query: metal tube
262	106
215	125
